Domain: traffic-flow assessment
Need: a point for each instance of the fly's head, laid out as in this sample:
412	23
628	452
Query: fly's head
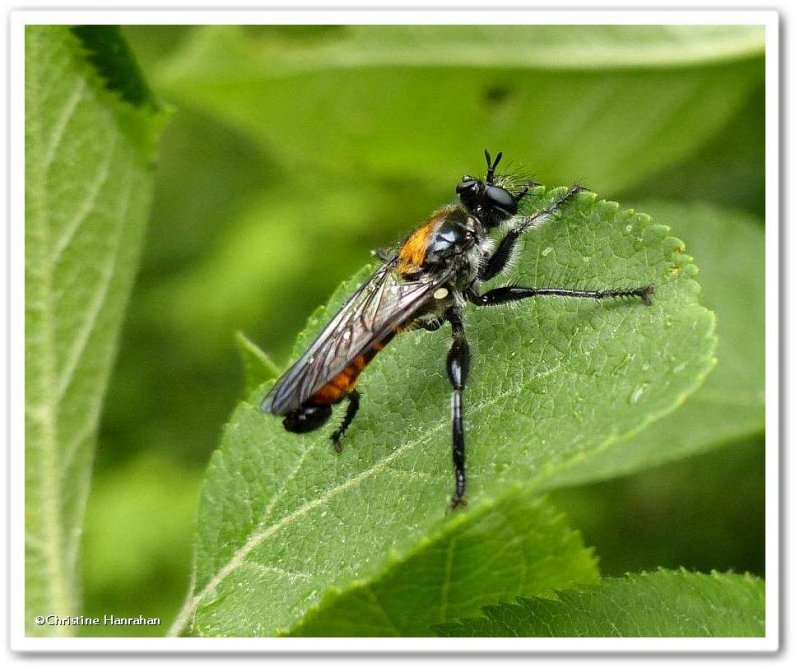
488	202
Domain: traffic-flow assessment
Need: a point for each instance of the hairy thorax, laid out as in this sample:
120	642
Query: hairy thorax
451	240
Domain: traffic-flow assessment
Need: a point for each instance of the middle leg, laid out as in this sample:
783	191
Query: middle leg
457	371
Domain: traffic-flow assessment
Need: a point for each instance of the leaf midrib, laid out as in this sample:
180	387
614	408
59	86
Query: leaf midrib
50	510
261	534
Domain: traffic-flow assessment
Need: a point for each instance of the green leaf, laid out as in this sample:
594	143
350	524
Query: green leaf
511	546
729	247
256	363
608	105
88	182
657	604
112	59
283	518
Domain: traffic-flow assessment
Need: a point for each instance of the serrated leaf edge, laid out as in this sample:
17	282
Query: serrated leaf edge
583	589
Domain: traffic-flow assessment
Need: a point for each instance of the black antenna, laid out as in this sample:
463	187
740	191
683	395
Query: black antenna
491	165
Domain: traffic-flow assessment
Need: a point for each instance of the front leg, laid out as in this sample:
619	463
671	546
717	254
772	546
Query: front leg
501	256
500	295
457	371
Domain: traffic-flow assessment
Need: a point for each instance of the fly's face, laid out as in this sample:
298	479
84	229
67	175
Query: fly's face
488	202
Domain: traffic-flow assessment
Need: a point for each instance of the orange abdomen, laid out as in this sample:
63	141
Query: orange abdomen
343	382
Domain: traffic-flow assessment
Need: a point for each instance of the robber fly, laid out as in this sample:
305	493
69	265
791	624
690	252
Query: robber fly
425	282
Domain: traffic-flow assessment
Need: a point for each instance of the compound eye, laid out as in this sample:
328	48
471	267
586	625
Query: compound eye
501	199
468	184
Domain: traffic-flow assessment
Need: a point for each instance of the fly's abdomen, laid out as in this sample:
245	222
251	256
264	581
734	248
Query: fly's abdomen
338	387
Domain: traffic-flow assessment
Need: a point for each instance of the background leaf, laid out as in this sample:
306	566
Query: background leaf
88	182
560	380
606	106
679	514
658	604
721	172
142	545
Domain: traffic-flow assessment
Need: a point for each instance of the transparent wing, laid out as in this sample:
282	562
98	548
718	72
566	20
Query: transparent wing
381	304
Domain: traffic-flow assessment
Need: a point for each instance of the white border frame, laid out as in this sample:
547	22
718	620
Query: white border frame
20	642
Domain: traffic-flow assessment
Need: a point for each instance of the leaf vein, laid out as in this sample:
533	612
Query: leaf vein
87	205
263	569
61	123
82	337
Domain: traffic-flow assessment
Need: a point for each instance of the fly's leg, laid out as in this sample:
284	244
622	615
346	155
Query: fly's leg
501	256
352	408
458	371
500	295
428	325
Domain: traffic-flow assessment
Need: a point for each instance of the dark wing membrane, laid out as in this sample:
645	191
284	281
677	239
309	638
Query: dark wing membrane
378	306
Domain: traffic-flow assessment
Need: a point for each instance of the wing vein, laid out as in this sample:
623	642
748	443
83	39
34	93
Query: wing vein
384	302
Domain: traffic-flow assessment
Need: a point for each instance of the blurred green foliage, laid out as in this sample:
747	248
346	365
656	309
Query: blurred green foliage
293	151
